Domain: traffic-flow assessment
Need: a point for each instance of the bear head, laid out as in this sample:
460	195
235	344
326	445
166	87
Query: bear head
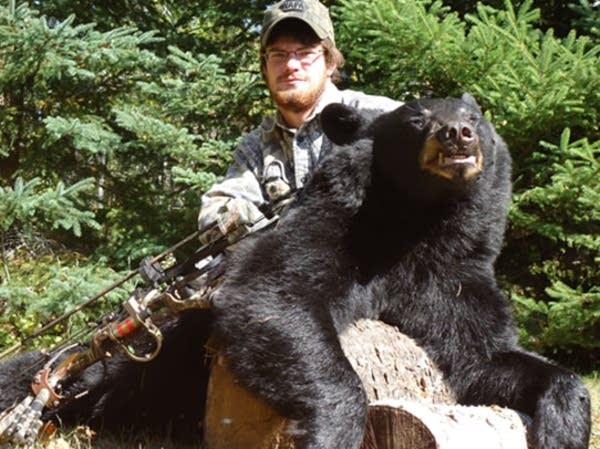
429	149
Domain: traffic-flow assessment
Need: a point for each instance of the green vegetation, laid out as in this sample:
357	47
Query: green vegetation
542	92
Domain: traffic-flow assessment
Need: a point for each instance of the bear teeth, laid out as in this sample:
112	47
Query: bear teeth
456	159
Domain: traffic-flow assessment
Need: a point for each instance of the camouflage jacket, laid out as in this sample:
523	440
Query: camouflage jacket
273	160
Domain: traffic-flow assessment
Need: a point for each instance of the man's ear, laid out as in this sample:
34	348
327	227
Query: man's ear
331	68
343	124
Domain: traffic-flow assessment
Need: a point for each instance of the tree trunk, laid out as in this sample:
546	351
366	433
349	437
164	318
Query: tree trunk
410	406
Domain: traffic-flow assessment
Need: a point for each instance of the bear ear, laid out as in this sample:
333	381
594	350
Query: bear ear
470	100
343	124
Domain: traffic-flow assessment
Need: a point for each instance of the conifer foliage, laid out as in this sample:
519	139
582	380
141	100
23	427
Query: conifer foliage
543	94
108	139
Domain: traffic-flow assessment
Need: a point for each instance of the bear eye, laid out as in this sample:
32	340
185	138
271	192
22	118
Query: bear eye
418	121
473	119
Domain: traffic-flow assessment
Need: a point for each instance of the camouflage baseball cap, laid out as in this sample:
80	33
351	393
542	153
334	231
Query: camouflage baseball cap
312	12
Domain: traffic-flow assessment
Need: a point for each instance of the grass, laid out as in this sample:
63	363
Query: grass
83	438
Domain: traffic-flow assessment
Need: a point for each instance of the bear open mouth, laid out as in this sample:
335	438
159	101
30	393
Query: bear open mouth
450	162
456	159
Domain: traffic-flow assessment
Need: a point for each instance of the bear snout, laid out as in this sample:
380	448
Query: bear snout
460	135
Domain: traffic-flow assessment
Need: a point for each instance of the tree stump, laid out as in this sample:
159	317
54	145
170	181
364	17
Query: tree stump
410	406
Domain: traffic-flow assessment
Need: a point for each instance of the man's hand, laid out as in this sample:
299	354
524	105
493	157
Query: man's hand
235	218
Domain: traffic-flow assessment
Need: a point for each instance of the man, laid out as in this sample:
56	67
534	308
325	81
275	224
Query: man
299	62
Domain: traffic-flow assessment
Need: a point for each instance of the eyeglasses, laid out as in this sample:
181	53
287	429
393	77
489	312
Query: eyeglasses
305	56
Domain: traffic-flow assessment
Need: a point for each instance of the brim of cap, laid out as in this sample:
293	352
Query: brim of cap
319	31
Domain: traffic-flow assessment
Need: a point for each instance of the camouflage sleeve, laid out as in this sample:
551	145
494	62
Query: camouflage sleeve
233	204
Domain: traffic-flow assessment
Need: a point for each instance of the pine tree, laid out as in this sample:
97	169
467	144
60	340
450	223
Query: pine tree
129	130
543	95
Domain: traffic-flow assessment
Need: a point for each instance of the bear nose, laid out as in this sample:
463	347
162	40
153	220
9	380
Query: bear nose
457	133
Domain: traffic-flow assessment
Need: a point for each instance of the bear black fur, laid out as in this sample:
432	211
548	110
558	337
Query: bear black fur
403	223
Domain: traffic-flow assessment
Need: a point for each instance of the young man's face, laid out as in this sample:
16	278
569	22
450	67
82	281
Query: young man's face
296	80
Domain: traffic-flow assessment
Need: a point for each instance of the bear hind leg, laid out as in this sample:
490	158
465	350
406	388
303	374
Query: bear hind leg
554	397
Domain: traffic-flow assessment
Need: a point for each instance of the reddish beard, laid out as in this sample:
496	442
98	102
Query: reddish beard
298	100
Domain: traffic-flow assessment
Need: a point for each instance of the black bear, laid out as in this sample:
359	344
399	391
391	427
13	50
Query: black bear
403	223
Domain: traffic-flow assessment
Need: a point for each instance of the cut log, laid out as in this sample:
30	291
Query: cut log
400	424
235	418
410	406
391	365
